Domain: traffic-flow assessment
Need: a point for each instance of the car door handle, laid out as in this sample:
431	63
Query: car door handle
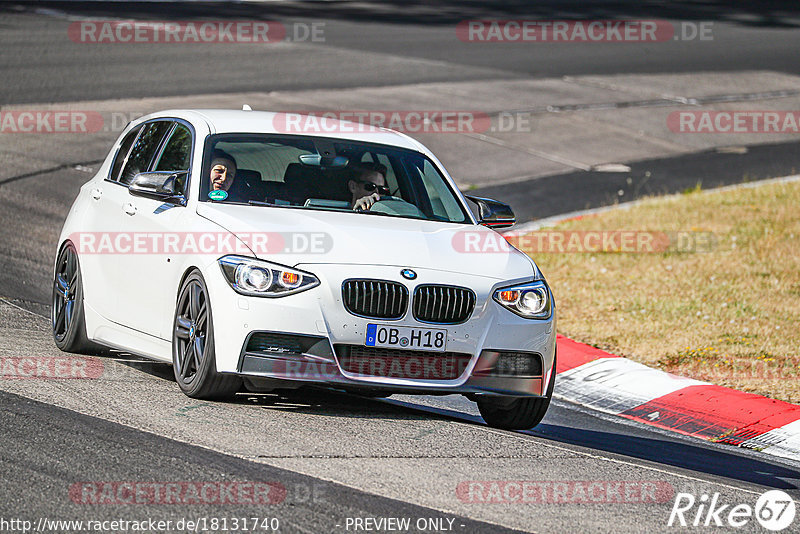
129	208
96	193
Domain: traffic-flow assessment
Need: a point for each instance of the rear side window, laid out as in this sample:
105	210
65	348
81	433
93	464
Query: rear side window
122	155
177	151
143	150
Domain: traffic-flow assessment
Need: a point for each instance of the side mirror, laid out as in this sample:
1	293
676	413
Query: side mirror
160	185
494	214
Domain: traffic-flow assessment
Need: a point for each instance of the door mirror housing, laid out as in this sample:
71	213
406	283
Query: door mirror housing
494	214
160	185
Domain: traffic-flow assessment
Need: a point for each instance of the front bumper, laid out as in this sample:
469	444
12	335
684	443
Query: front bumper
326	332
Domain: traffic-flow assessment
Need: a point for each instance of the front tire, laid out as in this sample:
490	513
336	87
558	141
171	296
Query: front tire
66	311
516	413
193	353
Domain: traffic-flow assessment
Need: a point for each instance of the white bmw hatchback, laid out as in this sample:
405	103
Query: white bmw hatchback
253	259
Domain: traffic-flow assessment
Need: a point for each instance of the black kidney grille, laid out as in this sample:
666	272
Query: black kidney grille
443	304
378	299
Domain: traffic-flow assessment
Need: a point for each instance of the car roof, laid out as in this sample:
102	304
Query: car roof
239	121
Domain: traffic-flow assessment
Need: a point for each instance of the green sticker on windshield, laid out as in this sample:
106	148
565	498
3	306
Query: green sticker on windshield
218	194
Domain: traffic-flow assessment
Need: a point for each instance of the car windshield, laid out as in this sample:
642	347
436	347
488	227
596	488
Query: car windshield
326	174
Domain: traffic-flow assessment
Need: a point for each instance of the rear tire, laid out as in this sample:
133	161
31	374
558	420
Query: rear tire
193	354
66	311
516	413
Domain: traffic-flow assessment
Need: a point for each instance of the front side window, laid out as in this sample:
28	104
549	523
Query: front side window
177	151
143	150
122	155
327	174
176	155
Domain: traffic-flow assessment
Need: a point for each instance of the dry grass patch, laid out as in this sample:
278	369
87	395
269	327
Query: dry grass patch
730	316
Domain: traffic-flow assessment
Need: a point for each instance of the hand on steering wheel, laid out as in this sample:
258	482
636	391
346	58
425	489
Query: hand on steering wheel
365	203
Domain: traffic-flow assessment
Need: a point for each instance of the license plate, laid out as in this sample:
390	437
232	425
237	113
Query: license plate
403	337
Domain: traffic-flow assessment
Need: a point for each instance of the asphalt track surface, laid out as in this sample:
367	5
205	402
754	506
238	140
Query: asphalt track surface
397	458
372	43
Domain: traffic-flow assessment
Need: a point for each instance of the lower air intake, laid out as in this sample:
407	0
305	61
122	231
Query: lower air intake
397	363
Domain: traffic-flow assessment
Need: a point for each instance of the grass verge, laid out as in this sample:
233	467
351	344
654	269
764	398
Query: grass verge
719	300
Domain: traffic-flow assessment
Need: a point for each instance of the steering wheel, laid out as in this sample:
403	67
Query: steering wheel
396	206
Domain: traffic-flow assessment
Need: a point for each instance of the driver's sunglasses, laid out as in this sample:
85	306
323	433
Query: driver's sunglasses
369	187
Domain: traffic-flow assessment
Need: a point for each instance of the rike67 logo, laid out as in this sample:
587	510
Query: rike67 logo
774	510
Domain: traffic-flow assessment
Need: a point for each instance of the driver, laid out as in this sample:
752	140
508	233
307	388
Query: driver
366	189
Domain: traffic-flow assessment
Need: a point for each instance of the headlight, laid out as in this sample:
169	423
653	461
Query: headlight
250	276
531	300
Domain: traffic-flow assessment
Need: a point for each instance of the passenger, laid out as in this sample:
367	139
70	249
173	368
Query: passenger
223	177
223	171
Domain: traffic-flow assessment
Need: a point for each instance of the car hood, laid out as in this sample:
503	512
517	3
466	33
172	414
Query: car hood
292	236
